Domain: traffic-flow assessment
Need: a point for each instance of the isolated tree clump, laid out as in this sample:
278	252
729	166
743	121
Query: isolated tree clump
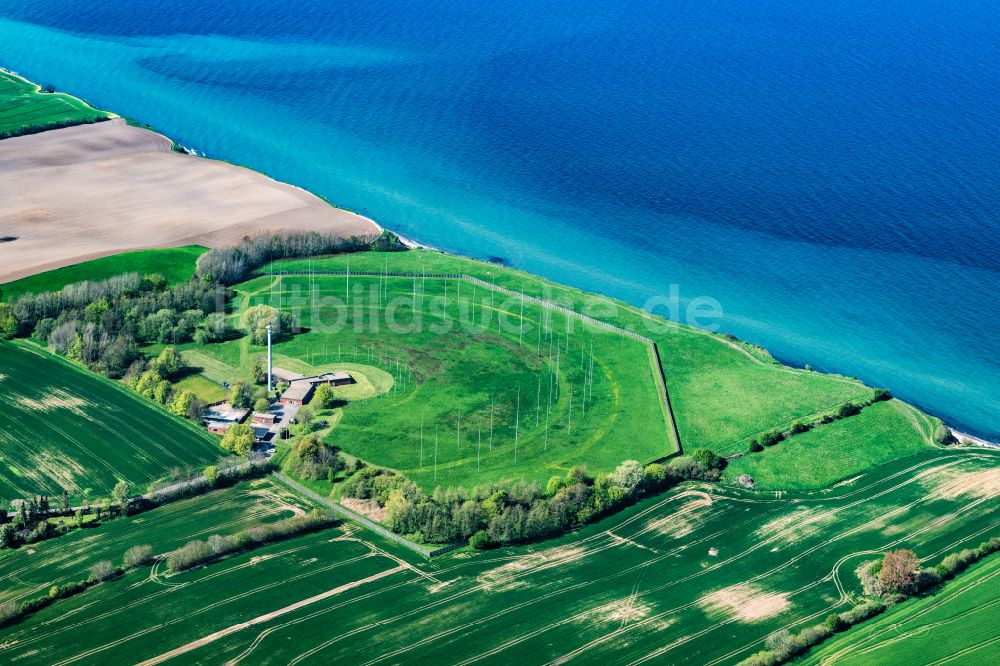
239	439
242	395
312	459
102	571
256	319
900	572
8	323
325	396
136	556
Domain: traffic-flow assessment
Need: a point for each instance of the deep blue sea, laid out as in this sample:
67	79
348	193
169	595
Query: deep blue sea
828	170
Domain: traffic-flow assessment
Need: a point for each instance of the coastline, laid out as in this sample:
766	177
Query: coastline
965	438
212	238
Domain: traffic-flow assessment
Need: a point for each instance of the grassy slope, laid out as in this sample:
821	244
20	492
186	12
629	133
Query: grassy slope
723	393
175	264
67	558
23	106
456	380
956	625
827	454
630	588
64	427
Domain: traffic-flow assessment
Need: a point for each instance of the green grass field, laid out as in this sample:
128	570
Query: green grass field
834	452
955	625
174	264
25	574
699	575
723	393
483	394
66	428
24	107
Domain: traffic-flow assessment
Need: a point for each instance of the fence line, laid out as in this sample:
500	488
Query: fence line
358	518
660	378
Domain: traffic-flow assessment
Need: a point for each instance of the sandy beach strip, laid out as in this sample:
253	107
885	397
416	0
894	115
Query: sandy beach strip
977	441
89	191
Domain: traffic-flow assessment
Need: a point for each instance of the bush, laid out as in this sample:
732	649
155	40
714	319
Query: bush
312	459
137	556
8	323
102	571
481	540
325	396
708	459
848	409
834	622
239	439
900	572
211	475
799	427
9	611
189	555
771	438
755	447
199	552
656	476
943	436
881	395
862	612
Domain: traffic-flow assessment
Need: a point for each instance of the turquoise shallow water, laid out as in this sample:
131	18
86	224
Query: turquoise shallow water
828	172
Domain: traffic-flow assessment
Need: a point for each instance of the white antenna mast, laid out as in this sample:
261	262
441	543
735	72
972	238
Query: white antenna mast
269	375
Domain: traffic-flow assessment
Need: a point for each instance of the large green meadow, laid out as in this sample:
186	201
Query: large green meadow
479	388
702	574
838	451
24	108
723	392
174	264
65	428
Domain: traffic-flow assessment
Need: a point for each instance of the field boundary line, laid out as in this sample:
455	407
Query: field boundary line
659	374
358	518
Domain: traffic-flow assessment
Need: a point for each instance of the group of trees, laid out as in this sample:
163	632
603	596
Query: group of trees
102	323
255	320
510	512
152	380
234	264
30	522
312	459
239	439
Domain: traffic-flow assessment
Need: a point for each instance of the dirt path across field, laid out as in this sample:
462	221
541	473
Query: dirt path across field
267	617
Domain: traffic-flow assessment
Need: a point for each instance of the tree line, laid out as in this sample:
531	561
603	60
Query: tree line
31	520
235	264
510	512
197	552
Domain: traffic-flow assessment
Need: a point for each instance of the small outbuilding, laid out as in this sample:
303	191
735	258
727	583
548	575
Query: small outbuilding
264	418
